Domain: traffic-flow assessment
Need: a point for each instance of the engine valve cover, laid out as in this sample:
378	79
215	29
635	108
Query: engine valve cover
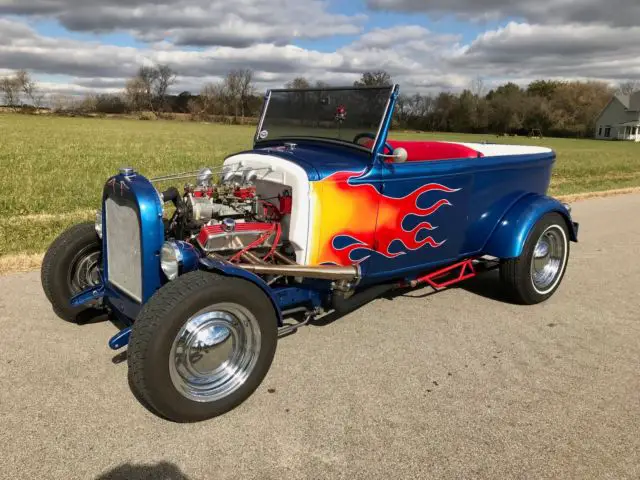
227	236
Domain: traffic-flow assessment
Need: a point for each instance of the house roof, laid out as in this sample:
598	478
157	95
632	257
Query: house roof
624	99
630	102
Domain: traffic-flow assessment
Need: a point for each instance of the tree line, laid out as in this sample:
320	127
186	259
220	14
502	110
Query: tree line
556	108
567	109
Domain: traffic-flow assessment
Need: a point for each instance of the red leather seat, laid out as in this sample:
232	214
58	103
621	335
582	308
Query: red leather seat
424	151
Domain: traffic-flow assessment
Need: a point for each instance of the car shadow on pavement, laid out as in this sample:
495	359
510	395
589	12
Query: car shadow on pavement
158	471
487	285
91	316
332	317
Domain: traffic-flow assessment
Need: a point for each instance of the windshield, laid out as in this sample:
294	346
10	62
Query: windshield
333	113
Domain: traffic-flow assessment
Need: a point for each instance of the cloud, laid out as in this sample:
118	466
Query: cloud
238	23
609	12
418	59
539	51
407	53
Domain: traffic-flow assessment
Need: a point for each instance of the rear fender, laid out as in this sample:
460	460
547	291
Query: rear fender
230	270
508	238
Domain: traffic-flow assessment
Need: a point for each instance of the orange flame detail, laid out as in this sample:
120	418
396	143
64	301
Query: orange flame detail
366	218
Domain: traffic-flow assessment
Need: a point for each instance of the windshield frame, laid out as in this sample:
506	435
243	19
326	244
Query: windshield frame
381	126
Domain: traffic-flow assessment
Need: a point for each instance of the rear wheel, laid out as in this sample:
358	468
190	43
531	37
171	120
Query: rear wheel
71	265
201	346
536	274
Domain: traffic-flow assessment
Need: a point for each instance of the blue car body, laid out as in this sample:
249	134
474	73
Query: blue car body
489	208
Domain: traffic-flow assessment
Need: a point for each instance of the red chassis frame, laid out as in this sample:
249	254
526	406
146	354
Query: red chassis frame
440	279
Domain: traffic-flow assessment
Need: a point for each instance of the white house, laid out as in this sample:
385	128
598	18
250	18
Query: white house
620	119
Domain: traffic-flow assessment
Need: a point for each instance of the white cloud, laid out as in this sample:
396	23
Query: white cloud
417	58
235	23
409	53
608	12
540	51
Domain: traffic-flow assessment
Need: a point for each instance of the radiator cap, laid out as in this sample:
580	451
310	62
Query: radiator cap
127	171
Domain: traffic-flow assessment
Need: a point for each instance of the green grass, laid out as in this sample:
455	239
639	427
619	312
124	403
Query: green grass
58	166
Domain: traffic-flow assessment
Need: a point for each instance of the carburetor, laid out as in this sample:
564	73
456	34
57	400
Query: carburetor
206	202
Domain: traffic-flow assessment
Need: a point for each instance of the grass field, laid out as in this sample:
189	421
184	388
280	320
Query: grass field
53	169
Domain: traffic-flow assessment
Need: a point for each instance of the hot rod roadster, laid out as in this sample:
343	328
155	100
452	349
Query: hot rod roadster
324	214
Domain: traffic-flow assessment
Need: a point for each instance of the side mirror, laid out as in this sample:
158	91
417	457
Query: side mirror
400	155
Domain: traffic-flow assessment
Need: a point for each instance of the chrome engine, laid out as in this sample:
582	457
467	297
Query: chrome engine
206	201
230	217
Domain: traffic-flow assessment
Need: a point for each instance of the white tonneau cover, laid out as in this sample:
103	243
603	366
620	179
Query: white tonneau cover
496	150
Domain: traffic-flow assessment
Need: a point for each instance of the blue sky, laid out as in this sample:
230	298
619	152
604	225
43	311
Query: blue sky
84	46
443	24
52	28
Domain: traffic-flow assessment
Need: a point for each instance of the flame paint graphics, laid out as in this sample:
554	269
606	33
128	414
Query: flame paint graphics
350	218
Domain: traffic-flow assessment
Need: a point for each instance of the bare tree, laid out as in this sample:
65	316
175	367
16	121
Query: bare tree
10	88
213	99
477	86
29	88
238	90
298	83
247	89
165	77
146	78
233	85
136	94
69	104
403	108
149	88
88	104
629	87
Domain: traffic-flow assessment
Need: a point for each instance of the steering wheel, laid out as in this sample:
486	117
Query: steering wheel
371	136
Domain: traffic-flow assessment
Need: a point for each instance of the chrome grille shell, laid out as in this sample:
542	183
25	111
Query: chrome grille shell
124	254
133	234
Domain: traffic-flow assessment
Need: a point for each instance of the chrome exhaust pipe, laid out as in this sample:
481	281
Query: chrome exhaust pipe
283	259
324	272
252	259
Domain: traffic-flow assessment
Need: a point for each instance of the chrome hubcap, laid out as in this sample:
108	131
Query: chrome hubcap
548	259
214	352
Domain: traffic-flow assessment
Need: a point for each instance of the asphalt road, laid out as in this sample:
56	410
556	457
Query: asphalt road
453	385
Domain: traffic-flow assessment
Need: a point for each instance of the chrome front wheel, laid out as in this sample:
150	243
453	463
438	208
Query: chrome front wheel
201	345
215	352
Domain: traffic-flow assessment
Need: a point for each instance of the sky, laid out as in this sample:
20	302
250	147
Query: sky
92	46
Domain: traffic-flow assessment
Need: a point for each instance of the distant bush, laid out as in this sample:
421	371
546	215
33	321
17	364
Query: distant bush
28	109
147	116
110	104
